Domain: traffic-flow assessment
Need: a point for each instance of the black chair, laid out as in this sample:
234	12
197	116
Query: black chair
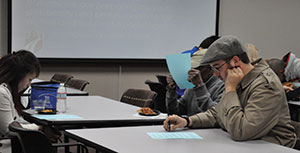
77	84
33	141
15	146
139	97
61	78
162	79
160	89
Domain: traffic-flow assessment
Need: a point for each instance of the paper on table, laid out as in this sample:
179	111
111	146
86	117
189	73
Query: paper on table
179	65
174	135
57	116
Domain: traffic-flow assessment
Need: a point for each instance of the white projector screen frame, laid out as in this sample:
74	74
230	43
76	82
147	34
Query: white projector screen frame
110	29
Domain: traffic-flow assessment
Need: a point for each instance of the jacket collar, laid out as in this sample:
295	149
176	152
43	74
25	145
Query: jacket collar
259	66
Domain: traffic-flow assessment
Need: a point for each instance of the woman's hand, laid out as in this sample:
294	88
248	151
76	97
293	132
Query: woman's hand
52	133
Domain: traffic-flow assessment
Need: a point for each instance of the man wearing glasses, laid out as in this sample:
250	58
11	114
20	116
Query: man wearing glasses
253	105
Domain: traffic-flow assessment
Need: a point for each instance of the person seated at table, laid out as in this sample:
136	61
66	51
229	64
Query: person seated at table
253	105
206	93
17	70
292	69
203	45
278	66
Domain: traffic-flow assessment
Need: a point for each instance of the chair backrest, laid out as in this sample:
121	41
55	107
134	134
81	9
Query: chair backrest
61	78
31	141
77	84
160	89
162	79
139	97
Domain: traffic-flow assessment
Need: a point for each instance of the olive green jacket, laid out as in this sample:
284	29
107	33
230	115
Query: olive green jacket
256	110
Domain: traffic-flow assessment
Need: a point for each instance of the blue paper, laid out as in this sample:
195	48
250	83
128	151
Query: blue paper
174	135
56	116
179	65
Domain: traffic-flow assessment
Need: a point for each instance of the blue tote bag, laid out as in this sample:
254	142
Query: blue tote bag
43	95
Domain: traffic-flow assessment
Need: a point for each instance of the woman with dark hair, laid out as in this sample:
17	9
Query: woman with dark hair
17	70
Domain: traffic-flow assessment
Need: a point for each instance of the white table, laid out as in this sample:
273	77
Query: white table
297	103
136	140
70	92
97	111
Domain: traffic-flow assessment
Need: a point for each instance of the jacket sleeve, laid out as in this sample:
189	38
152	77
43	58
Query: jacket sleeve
5	113
258	117
205	119
208	118
194	100
172	105
206	99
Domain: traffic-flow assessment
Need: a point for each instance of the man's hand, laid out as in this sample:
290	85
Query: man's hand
195	77
173	122
171	83
234	77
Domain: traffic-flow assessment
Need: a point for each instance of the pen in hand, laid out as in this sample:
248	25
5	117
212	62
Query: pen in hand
169	124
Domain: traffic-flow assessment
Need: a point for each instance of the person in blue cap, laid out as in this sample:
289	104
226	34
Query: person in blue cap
206	93
203	45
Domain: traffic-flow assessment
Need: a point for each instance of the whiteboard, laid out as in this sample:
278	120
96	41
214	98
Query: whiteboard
110	29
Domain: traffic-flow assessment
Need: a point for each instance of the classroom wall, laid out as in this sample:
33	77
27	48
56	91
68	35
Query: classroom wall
271	25
3	27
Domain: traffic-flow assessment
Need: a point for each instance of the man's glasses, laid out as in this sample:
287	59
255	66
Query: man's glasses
217	69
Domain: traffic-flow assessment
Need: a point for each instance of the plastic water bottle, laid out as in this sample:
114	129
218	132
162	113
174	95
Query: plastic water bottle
61	98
